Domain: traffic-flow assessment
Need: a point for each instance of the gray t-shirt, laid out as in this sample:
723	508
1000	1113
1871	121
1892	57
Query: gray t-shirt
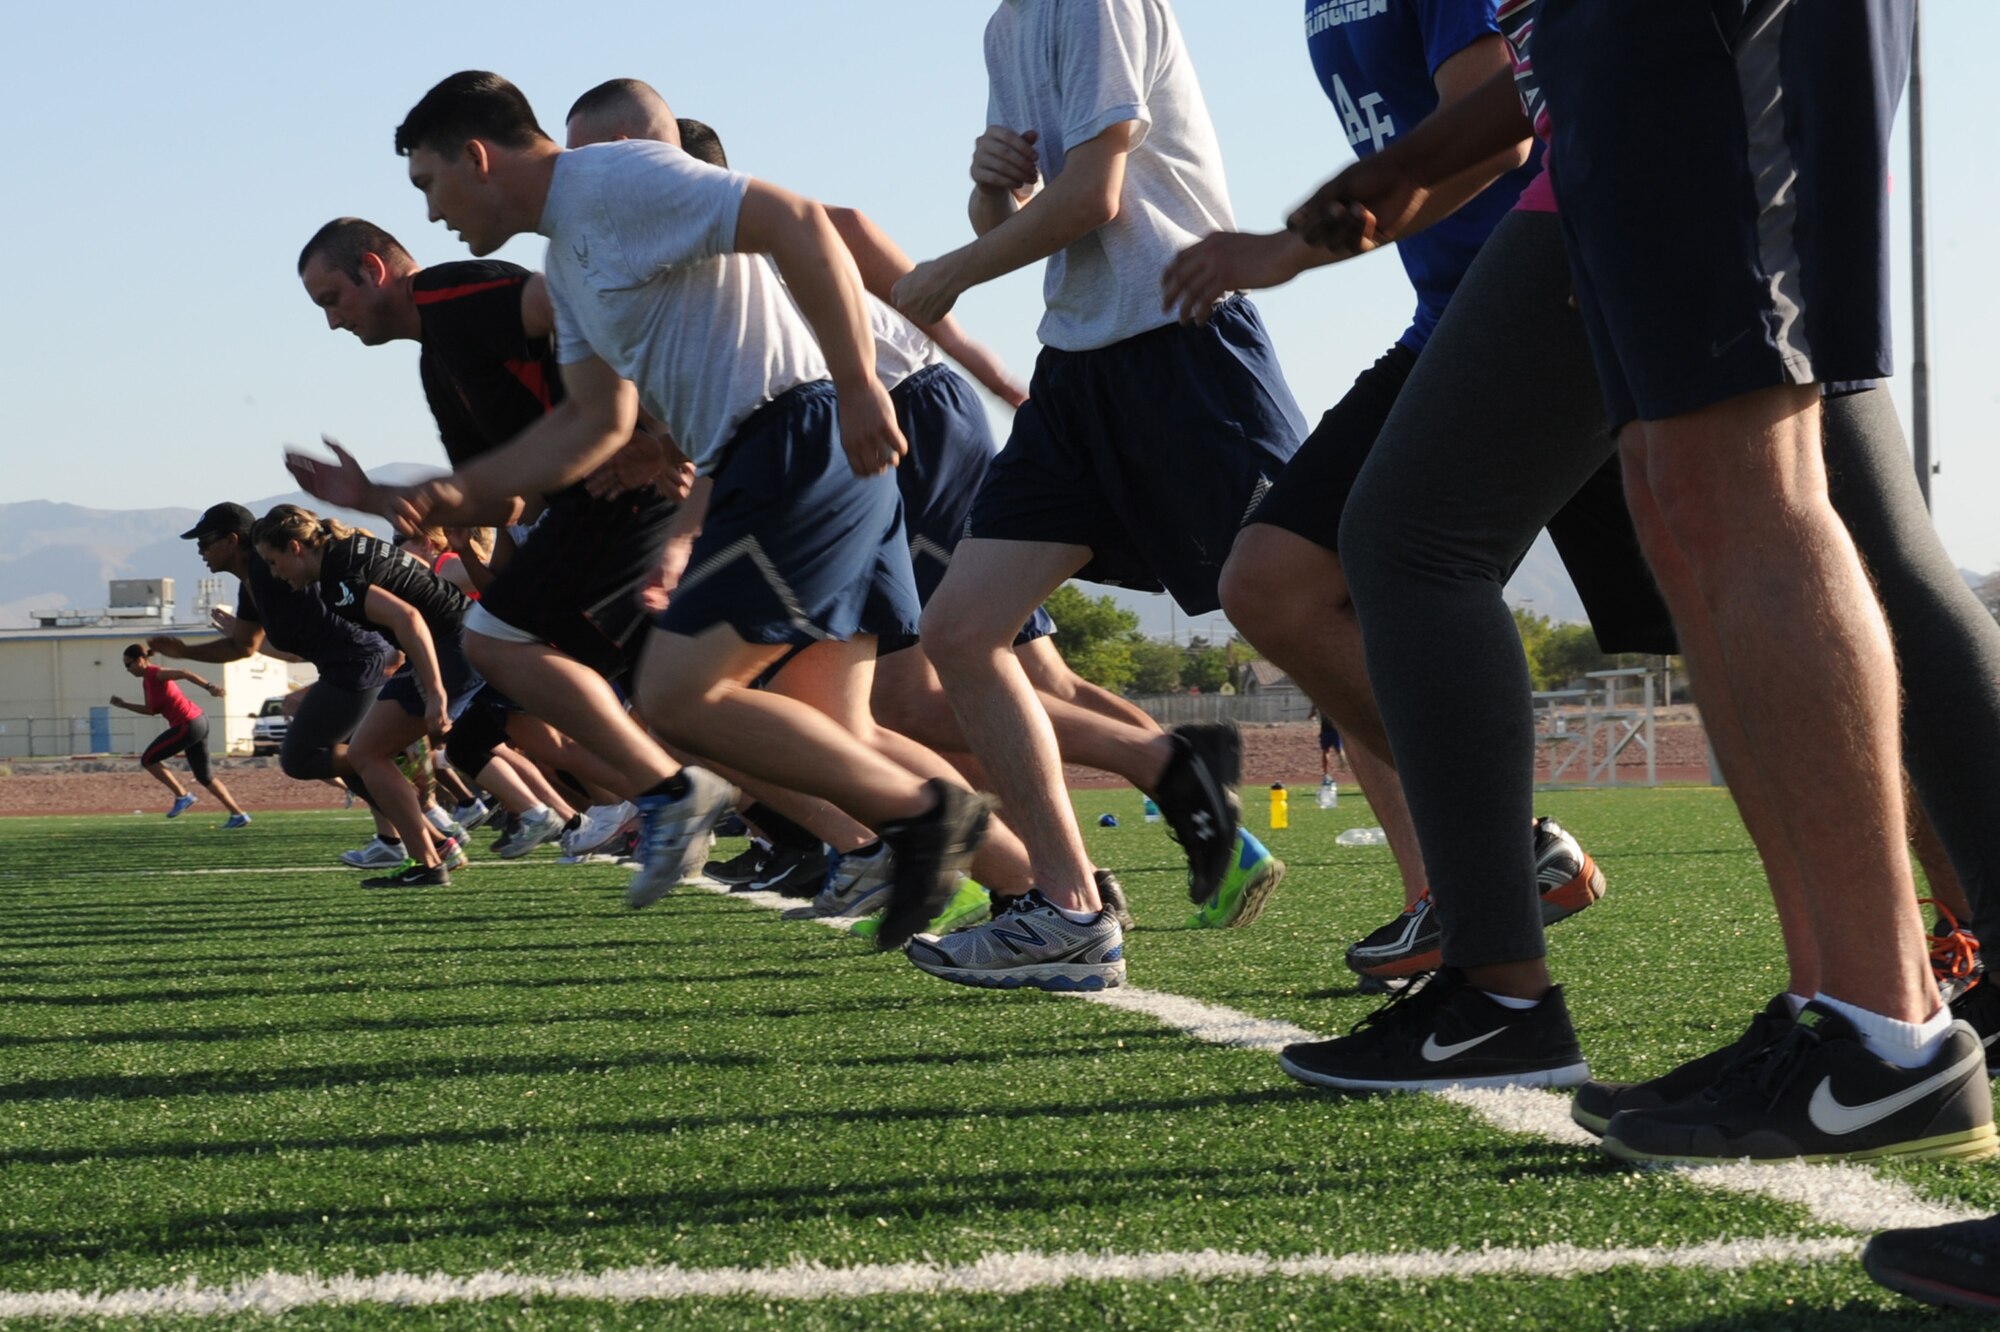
1071	69
642	275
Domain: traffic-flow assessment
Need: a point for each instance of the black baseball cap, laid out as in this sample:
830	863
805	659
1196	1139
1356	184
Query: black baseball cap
221	520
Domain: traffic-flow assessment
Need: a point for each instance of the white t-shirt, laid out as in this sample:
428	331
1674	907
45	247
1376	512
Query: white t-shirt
1071	69
901	348
641	274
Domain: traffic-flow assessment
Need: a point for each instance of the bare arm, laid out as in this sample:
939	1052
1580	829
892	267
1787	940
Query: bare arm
1005	168
1081	199
796	234
118	702
400	618
193	679
538	312
1434	169
590	424
241	638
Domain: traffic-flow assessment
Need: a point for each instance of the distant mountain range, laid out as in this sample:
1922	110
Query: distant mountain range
62	555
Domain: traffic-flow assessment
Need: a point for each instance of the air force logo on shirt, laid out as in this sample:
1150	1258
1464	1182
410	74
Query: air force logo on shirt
1333	13
1360	119
346	595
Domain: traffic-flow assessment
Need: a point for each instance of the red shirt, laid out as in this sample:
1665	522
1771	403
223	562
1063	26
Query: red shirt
165	698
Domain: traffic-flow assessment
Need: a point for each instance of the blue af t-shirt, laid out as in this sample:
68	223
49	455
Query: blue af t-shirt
1377	61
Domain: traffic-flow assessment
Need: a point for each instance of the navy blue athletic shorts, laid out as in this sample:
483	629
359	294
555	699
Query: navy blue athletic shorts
1723	174
951	447
1308	496
1150	451
796	548
461	680
576	582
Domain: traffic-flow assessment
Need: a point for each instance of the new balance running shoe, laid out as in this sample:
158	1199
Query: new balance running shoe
1254	874
1197	797
378	854
1446	1033
1031	945
1596	1102
1817	1094
670	828
932	850
182	804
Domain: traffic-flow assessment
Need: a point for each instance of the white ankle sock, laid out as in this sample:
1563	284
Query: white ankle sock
1509	1001
1796	1002
1076	917
438	818
1904	1044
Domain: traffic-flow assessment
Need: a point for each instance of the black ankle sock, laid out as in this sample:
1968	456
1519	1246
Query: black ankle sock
777	829
572	823
673	788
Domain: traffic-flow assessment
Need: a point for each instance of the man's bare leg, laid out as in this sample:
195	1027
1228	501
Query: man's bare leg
969	630
579	703
1305	622
1740	489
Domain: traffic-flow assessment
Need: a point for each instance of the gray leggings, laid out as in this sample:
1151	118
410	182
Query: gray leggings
1500	423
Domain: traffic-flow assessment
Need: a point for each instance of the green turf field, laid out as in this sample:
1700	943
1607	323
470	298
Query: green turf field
209	1076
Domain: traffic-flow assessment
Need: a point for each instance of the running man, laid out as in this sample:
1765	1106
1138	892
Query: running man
186	733
734	313
1140	447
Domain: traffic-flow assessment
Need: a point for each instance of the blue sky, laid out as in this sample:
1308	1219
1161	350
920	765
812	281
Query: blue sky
169	161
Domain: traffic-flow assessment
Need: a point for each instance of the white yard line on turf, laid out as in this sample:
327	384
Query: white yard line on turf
1850	1197
994	1274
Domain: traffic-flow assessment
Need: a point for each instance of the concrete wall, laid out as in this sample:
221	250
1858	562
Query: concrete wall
51	681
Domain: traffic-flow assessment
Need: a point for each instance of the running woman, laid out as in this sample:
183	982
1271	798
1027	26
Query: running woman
186	733
368	582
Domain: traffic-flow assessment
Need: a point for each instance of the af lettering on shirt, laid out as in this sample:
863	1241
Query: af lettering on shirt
643	274
1377	62
1069	70
354	564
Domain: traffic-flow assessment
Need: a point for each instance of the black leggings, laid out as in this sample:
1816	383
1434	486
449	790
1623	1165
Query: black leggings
326	717
189	739
1500	423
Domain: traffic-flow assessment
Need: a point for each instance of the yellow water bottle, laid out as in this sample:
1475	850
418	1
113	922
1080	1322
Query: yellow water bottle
1281	814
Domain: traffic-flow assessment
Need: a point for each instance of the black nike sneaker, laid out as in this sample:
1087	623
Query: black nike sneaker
411	875
1956	1265
1197	797
1596	1102
1817	1094
789	871
1446	1033
741	868
931	850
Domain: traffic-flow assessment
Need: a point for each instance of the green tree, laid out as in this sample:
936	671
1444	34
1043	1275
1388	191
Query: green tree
1534	630
1096	636
1566	652
1156	667
1206	667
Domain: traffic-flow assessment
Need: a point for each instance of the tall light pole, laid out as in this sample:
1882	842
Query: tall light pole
1920	317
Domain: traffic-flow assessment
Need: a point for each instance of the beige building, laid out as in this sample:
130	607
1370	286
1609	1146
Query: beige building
57	679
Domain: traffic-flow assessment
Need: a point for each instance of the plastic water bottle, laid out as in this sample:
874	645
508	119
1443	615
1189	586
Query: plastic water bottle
1363	837
1329	794
1281	801
1152	811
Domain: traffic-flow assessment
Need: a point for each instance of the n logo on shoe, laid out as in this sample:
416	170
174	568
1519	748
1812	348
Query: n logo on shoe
1829	1115
1019	937
1439	1053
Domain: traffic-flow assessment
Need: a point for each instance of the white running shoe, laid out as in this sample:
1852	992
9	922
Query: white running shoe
671	831
1030	944
601	824
378	854
857	887
470	817
544	825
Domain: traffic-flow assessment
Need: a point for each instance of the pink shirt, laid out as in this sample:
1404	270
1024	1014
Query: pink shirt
165	698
